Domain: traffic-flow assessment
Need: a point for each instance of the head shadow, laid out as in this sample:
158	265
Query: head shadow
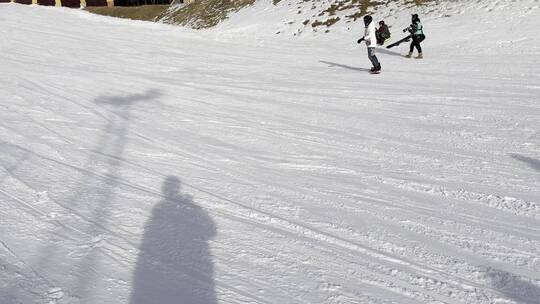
175	263
513	286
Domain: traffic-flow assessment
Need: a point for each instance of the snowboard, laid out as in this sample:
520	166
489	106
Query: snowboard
399	42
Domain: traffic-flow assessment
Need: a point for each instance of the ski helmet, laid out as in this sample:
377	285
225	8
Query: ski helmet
381	22
367	19
415	17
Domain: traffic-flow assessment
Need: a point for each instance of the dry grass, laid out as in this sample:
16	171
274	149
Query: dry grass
204	13
146	12
207	13
359	8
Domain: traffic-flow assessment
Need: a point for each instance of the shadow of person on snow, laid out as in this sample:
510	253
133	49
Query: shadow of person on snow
531	162
175	263
513	286
333	64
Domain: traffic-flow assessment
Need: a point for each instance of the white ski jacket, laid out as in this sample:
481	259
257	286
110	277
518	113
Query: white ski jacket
369	35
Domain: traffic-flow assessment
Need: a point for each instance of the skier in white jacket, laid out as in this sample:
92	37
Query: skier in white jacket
370	38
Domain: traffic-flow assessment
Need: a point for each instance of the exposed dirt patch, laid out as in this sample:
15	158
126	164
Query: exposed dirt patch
146	12
208	13
203	13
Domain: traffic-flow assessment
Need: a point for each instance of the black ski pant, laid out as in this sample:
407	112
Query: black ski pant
416	39
372	57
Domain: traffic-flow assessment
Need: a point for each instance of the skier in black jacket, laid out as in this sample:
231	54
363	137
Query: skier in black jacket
383	33
417	31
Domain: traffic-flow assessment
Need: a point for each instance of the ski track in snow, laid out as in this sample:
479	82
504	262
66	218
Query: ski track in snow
136	158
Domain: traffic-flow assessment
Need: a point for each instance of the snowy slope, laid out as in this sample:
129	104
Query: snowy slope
145	163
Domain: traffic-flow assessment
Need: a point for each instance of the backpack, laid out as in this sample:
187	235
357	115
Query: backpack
384	32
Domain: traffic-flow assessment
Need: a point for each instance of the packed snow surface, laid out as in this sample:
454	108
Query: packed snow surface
144	163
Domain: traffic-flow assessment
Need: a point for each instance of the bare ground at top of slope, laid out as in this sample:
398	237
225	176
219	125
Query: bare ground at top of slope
145	12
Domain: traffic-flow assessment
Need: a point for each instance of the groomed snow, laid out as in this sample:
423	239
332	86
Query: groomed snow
146	163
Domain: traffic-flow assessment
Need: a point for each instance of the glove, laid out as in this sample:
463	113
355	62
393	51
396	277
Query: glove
405	30
360	40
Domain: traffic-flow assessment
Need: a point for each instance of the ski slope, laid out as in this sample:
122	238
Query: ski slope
146	163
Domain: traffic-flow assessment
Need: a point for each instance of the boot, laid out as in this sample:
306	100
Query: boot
409	55
420	56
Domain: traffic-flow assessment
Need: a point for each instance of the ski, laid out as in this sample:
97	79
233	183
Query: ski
399	42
